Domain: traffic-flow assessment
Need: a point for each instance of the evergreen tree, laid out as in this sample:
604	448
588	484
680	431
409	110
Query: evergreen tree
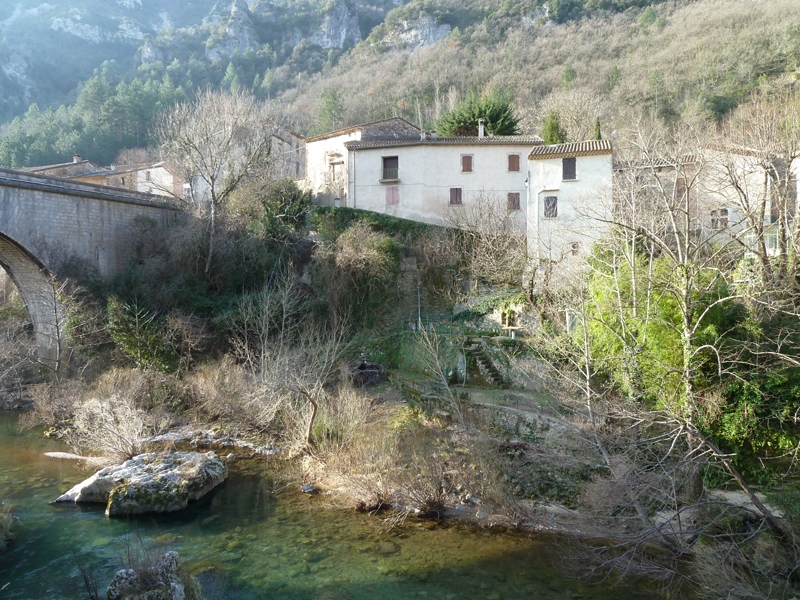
553	132
597	133
494	108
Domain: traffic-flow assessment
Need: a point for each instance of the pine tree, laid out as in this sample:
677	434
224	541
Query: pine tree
494	108
597	134
553	132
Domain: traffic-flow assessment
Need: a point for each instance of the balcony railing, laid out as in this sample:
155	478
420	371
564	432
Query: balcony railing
390	174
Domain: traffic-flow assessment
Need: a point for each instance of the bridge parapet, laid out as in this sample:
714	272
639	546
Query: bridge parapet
47	222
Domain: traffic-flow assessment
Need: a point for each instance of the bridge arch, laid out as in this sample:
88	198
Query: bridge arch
39	292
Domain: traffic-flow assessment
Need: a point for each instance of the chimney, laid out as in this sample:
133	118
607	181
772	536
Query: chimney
76	158
433	134
481	129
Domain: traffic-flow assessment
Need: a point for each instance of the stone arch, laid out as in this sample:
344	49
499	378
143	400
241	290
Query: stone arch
39	292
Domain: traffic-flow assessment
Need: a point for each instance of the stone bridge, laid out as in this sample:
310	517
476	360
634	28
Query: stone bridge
48	225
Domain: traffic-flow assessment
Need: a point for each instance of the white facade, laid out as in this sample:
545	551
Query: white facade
444	181
568	207
326	174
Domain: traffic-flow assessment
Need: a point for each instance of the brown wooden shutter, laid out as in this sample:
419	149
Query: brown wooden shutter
455	196
568	165
513	200
392	195
466	164
513	162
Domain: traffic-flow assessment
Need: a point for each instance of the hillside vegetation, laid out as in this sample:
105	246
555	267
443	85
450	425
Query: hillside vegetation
617	61
679	61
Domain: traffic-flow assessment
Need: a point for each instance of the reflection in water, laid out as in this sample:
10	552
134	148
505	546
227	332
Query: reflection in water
245	543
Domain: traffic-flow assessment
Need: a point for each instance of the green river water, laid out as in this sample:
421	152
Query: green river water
245	542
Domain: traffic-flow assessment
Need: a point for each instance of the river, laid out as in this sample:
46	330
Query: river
247	542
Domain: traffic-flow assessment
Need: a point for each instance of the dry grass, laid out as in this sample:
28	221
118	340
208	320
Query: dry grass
699	49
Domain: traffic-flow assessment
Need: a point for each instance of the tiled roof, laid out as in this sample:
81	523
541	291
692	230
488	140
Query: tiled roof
589	148
345	130
498	140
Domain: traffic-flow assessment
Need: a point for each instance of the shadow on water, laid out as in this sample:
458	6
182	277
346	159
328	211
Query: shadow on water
245	543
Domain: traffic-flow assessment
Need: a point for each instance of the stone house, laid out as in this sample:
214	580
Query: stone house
327	173
441	180
76	168
569	198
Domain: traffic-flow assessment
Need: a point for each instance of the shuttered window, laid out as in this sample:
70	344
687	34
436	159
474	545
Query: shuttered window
392	195
513	162
513	201
455	196
466	163
550	207
568	167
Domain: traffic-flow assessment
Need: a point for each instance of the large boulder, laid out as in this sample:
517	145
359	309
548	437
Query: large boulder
164	581
153	482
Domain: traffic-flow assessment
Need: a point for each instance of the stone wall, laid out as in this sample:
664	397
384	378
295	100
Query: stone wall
47	224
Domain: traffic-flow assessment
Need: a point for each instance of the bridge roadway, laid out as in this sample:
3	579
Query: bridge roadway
48	224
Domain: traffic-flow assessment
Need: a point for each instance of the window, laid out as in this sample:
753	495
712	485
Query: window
680	187
513	201
550	207
391	171
455	196
466	163
719	218
568	169
513	162
392	196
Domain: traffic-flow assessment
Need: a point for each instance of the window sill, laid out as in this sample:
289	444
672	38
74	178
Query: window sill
396	180
570	180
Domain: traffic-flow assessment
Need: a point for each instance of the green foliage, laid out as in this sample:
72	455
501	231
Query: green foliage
636	337
756	419
553	132
330	114
279	211
568	76
494	108
597	135
104	120
331	222
140	335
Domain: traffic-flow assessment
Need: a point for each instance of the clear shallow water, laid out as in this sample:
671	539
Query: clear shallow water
245	543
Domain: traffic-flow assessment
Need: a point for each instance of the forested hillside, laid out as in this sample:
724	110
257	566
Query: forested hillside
333	63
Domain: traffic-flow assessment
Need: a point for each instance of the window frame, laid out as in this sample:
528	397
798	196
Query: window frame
514	200
458	194
550	213
386	172
564	162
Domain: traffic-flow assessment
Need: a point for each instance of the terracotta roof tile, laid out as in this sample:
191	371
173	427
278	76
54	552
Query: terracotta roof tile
588	148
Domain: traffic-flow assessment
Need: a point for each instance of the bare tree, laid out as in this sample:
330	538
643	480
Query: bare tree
218	141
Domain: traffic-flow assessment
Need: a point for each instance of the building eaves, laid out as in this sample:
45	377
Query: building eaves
498	140
588	148
56	166
330	134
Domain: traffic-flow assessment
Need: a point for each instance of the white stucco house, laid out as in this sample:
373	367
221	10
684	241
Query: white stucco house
569	198
326	157
441	180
